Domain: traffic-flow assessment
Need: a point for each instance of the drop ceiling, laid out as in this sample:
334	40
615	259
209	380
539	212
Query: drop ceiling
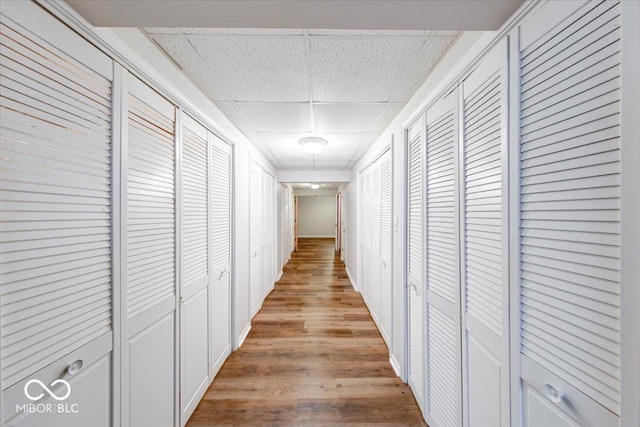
280	85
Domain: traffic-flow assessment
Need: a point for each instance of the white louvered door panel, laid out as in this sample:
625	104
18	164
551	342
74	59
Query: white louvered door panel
56	215
570	212
415	255
441	269
485	255
374	208
150	257
220	207
220	304
256	223
269	246
194	298
386	291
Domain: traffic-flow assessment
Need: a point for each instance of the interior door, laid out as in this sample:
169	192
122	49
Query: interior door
194	297
386	245
295	222
149	387
569	67
256	267
444	391
58	217
220	202
484	231
338	222
416	291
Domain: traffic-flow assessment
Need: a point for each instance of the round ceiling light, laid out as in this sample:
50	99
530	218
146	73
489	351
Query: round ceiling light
313	144
314	186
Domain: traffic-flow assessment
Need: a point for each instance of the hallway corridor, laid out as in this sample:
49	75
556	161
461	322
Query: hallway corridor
313	357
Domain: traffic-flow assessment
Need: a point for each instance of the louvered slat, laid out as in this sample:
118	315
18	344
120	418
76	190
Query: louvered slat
441	269
385	208
55	203
375	210
570	203
150	207
194	207
255	207
483	178
220	206
443	394
268	209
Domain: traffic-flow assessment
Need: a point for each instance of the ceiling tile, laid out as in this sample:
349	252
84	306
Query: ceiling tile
256	69
233	114
179	49
420	67
360	70
277	117
346	117
389	114
336	141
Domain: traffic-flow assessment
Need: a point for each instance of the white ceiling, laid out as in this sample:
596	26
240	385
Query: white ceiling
279	85
323	186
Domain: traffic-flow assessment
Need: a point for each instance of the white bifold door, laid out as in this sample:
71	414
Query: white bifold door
220	260
441	259
256	238
415	253
149	267
569	66
376	245
57	219
484	245
194	266
269	232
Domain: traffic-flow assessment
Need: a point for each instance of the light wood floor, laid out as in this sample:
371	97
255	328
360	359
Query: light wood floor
313	357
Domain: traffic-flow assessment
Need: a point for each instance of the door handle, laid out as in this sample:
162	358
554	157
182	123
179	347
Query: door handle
553	394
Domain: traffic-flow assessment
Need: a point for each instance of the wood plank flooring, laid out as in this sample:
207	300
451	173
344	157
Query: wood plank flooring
313	357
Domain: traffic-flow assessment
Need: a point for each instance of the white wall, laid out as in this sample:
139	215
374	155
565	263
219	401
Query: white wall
316	216
135	45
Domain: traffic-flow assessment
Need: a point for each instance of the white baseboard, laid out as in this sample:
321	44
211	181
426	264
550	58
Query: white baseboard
317	237
353	282
243	336
280	275
396	366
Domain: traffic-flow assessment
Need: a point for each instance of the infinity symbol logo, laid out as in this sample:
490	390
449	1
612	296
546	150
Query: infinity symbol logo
51	393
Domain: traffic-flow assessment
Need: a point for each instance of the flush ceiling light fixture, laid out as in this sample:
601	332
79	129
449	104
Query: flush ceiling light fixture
313	144
315	186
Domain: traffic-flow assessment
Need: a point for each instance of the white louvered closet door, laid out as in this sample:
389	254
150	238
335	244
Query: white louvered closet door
220	201
570	214
269	246
56	216
386	285
256	238
194	283
441	268
150	258
415	253
485	253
